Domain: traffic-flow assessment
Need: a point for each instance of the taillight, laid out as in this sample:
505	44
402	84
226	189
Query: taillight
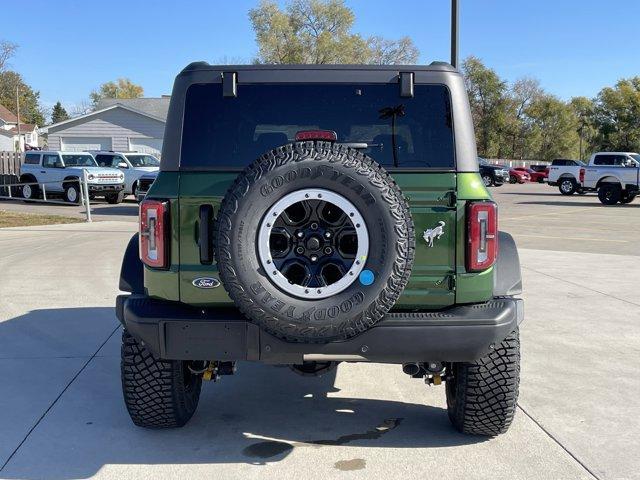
482	235
153	233
582	175
329	135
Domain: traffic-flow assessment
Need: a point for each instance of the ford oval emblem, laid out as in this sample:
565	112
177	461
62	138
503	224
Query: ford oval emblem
206	282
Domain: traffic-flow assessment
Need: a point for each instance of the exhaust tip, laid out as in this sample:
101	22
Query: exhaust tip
411	368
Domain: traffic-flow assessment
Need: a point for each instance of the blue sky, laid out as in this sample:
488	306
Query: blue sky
68	48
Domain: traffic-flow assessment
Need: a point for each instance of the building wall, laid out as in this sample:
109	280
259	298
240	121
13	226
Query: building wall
6	143
118	124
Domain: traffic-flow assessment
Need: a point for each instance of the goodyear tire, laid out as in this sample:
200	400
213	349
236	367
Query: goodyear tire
482	395
345	230
157	393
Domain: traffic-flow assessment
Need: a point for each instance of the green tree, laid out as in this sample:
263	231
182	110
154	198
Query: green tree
121	88
59	114
30	109
555	128
583	109
319	32
517	125
617	116
487	100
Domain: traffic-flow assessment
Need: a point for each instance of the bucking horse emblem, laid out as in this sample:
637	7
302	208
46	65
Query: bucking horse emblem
432	234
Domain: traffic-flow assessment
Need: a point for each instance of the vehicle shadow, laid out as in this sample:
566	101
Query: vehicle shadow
261	414
595	203
118	210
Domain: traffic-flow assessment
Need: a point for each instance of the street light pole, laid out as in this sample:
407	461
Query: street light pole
18	115
454	33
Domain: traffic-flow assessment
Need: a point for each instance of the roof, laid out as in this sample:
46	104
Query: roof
433	66
24	128
154	106
7	115
101	110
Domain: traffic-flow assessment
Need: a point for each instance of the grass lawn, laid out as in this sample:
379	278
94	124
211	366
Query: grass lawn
19	219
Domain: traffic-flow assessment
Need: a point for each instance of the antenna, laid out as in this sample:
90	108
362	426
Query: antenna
454	33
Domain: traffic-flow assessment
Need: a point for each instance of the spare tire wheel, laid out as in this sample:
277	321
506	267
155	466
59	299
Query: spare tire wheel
314	242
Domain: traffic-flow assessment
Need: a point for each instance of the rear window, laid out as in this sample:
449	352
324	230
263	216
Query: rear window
231	132
32	158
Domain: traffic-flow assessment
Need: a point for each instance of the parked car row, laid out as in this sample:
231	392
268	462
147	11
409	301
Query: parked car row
495	175
111	175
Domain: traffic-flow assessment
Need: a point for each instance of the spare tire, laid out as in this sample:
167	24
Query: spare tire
314	242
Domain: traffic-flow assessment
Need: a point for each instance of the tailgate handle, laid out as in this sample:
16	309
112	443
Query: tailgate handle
205	234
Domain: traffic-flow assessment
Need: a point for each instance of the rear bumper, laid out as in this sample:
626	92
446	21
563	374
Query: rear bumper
176	331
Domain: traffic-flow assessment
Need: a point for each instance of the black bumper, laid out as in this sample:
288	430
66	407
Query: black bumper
106	188
176	331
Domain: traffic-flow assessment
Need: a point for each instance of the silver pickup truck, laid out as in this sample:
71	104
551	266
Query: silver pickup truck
614	175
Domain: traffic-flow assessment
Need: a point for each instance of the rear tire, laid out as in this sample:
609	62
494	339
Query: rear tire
627	198
29	192
609	194
157	393
567	186
482	395
513	179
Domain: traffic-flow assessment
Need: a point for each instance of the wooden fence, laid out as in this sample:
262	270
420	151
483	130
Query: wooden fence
10	167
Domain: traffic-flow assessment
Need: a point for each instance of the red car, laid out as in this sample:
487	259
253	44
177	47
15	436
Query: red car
519	175
534	175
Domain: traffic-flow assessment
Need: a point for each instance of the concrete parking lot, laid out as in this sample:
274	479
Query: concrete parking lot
62	414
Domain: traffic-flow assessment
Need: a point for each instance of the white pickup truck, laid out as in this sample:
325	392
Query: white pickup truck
53	172
565	174
133	165
615	175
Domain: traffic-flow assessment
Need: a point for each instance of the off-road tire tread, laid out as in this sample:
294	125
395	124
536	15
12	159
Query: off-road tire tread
153	389
487	390
368	171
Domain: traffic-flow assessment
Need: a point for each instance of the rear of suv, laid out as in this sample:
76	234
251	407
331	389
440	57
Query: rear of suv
311	215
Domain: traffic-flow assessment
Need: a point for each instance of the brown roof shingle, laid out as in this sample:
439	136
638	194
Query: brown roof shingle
7	116
24	128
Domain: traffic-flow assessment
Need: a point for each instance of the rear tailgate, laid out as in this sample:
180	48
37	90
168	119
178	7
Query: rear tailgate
432	200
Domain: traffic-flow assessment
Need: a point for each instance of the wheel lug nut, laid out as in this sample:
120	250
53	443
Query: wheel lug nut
327	234
300	234
314	258
300	250
314	226
327	250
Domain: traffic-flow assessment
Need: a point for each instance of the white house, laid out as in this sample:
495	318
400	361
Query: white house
9	132
135	124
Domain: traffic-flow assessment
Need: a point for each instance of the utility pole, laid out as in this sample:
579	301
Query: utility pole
454	33
18	115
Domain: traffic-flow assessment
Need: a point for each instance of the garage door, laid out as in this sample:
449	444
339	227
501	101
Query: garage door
152	146
81	144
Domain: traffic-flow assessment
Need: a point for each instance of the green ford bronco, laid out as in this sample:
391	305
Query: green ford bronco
312	215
